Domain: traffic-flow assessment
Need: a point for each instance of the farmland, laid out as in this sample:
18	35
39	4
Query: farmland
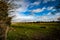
34	31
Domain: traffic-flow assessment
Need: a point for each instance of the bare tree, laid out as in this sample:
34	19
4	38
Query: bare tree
5	21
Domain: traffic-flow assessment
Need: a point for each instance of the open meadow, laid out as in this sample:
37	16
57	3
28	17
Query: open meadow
34	31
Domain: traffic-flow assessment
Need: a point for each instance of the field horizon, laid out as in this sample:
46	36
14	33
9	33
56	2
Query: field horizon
34	31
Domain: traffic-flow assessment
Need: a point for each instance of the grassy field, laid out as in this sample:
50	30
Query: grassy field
34	31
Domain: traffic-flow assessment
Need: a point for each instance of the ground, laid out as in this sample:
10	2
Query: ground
34	31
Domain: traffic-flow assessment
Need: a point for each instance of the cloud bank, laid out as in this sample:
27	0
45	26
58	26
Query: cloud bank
24	6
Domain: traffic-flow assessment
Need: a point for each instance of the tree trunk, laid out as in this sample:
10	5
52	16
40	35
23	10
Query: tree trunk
3	31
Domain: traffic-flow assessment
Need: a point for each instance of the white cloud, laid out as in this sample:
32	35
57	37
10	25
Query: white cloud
48	18
36	3
49	13
23	18
52	17
49	8
20	5
45	1
19	17
38	10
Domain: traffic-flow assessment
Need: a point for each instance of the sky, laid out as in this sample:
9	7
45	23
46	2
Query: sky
34	10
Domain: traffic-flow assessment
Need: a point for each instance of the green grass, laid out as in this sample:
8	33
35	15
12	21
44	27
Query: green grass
32	31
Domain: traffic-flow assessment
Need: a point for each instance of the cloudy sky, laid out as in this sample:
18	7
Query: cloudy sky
34	10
